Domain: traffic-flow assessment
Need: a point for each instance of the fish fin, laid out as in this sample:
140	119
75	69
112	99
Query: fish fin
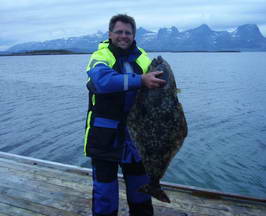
156	192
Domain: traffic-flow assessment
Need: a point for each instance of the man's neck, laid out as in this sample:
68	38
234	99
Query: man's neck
117	51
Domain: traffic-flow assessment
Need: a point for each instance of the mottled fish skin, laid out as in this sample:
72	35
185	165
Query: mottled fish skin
158	127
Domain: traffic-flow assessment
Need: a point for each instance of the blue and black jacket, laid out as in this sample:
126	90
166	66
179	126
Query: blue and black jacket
114	77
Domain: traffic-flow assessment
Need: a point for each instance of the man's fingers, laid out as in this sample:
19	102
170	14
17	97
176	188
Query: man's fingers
156	73
151	80
161	81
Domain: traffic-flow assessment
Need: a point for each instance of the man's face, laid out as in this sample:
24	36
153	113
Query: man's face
122	35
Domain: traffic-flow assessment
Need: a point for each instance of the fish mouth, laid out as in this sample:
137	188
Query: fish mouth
155	191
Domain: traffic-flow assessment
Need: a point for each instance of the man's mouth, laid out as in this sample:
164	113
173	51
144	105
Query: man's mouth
123	42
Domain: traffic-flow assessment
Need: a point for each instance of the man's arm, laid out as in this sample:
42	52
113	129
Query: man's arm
103	79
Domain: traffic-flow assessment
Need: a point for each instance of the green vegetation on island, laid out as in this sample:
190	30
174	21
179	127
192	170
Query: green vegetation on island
44	52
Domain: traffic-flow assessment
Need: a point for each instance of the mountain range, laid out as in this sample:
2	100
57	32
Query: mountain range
245	38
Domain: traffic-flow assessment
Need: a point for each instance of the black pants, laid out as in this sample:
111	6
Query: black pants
105	188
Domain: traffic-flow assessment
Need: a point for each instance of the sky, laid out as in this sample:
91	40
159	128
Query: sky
40	20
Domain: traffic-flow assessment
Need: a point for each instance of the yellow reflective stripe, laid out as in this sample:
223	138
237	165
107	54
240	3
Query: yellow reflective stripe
143	61
94	62
88	125
103	44
87	132
103	56
109	57
93	100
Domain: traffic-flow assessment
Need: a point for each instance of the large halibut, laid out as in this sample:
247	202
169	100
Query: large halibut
158	127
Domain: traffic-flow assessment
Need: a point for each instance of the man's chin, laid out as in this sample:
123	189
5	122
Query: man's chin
124	47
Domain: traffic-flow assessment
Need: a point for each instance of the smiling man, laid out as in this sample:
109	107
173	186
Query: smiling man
122	35
116	71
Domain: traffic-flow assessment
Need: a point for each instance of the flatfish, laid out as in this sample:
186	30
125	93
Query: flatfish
158	127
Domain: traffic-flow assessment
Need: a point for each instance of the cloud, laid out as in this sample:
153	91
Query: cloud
38	20
219	14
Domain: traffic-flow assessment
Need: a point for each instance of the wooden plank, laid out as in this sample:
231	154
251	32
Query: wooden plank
86	171
181	203
48	164
46	195
44	174
23	188
194	204
38	169
45	188
18	206
15	211
24	173
56	200
9	178
2	214
57	177
2	207
188	206
210	193
79	181
123	205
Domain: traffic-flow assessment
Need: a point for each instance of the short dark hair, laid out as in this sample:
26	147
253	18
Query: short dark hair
122	18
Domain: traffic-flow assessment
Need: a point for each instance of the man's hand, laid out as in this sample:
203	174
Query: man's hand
151	81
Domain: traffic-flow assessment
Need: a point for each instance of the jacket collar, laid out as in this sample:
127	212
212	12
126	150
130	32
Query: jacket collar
118	52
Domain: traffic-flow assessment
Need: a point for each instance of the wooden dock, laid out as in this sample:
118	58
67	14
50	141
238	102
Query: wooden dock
32	187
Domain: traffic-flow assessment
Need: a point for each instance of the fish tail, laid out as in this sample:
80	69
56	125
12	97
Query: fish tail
155	191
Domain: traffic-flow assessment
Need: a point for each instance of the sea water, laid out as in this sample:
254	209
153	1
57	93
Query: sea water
44	100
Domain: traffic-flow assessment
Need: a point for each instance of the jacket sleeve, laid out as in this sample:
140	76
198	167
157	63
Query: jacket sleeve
103	79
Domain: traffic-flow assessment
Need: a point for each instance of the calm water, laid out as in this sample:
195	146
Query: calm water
43	103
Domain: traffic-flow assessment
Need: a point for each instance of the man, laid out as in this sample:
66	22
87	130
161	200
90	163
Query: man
116	70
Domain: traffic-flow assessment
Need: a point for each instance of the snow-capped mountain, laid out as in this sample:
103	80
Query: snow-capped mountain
245	38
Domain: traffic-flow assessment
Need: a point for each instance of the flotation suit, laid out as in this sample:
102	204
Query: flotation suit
114	77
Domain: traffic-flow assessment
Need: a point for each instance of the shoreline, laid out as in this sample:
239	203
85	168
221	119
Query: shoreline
67	52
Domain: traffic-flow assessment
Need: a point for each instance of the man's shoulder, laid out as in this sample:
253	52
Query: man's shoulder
143	52
103	50
103	45
103	54
141	49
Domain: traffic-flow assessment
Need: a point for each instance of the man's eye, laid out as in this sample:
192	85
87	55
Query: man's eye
120	32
